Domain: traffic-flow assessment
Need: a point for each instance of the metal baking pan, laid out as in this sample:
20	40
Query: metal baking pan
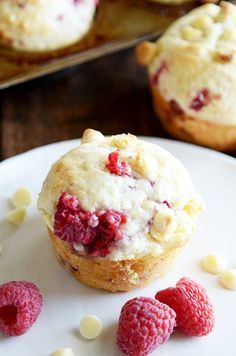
118	24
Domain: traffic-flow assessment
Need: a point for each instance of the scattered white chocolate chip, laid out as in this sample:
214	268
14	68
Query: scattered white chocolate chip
63	352
21	197
190	33
228	279
90	327
164	223
202	22
17	215
214	263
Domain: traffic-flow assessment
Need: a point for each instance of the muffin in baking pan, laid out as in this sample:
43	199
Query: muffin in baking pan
118	210
192	75
39	25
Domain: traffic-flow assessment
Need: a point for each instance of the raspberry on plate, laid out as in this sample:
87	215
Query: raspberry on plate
144	324
20	305
194	310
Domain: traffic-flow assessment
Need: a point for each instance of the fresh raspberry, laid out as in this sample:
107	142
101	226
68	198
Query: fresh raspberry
95	231
116	166
20	305
144	324
194	310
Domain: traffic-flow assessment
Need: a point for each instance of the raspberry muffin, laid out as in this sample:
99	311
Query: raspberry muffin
39	25
118	210
192	71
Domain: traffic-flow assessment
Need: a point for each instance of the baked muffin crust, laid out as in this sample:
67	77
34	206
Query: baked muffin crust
39	25
192	70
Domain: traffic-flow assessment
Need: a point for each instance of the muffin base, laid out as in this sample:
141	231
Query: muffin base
113	276
184	127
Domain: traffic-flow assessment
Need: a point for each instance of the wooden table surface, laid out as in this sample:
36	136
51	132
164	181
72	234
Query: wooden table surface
110	94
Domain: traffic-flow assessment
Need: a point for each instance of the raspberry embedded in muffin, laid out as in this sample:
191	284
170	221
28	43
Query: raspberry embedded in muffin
202	98
96	231
116	166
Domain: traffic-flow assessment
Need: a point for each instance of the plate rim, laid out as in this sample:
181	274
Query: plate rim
199	149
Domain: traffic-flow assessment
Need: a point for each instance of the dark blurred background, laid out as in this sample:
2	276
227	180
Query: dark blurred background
109	94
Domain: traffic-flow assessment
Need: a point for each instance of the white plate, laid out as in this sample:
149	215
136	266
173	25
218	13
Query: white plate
27	255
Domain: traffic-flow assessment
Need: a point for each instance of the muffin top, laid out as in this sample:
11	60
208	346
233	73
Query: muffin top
134	194
39	25
193	65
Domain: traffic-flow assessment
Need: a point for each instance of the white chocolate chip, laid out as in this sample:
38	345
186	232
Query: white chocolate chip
145	165
21	197
134	278
195	205
190	33
90	135
164	223
12	18
214	263
26	25
63	352
123	141
229	35
90	327
212	9
148	204
228	279
78	247
202	22
224	14
17	215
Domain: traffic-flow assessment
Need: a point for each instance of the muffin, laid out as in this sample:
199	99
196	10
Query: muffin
39	25
192	72
118	210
